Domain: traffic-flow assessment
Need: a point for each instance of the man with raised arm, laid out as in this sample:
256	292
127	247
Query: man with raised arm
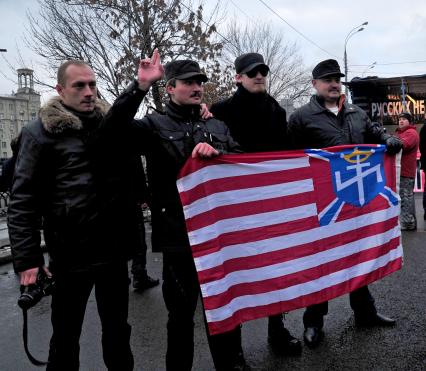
168	140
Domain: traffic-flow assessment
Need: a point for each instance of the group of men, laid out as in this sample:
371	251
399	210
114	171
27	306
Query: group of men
68	179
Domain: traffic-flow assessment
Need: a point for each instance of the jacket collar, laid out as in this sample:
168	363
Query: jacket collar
57	119
243	95
183	113
409	127
317	104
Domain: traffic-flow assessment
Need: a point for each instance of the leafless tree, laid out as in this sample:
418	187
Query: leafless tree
112	35
288	78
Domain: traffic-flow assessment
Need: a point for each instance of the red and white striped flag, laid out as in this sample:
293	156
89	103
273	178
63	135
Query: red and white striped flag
273	232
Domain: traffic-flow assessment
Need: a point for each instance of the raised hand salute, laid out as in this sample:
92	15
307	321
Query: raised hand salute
150	70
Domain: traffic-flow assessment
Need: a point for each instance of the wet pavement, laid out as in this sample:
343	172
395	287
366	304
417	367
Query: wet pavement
345	347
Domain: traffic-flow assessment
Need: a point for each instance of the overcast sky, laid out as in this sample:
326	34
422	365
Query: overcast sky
396	33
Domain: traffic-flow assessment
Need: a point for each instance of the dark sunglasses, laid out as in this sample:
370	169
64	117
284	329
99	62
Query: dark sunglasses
253	73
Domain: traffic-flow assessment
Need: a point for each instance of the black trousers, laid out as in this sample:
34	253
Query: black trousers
139	259
69	302
361	301
181	291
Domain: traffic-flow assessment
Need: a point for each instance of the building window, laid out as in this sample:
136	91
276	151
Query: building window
10	107
1	115
1	106
4	154
12	117
3	144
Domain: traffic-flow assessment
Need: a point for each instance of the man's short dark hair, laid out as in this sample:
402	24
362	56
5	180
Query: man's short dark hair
61	76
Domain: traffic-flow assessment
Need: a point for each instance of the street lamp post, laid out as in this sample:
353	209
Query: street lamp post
371	66
352	32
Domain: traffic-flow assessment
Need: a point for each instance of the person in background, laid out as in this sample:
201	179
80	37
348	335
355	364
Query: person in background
141	279
422	147
8	166
407	132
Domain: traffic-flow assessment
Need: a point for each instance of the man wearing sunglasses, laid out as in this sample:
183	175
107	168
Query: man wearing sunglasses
258	123
329	120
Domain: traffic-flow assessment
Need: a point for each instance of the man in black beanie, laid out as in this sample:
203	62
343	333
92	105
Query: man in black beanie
329	120
258	123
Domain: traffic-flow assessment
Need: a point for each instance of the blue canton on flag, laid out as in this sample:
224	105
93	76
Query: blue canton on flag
358	177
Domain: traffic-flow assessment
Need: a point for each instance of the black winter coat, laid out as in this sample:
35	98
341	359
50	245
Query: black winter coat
167	141
56	180
314	126
256	121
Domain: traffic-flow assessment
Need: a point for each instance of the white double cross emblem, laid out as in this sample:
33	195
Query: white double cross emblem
359	177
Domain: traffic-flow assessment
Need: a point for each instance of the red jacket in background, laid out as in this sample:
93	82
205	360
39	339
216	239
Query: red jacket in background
410	140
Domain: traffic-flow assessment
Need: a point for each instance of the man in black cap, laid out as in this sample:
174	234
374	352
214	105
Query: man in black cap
329	120
168	140
258	123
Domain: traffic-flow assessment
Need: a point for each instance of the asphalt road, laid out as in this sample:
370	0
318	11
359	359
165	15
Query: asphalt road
345	347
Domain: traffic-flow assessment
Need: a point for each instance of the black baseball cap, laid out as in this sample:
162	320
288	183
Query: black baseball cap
184	70
326	68
247	62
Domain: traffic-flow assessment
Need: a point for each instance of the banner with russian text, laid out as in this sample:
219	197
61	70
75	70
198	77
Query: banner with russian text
273	232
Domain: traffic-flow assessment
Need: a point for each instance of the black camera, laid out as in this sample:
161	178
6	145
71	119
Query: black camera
32	294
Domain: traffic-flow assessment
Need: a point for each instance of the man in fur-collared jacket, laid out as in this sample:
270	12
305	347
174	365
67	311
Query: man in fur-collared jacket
56	181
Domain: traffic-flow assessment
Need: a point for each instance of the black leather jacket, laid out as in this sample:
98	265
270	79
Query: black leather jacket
314	126
167	141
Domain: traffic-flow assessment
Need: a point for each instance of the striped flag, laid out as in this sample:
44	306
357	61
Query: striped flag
273	232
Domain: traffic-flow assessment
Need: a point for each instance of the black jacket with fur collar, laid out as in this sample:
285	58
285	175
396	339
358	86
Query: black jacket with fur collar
56	180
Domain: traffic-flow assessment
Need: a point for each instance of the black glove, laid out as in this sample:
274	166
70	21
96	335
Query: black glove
393	145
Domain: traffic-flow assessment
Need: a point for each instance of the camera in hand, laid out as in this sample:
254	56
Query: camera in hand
32	294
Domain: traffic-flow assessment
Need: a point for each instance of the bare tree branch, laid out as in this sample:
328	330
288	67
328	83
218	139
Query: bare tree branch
112	35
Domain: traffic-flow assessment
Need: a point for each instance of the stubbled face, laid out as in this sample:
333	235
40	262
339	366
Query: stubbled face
186	92
79	91
256	84
403	122
329	88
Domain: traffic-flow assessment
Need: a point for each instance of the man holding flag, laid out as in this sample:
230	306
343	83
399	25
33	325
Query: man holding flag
258	123
328	120
167	140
